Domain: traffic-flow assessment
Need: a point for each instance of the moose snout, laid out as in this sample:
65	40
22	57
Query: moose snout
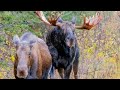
22	71
70	42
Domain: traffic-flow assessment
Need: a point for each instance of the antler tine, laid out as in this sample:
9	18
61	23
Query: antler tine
90	22
53	18
42	17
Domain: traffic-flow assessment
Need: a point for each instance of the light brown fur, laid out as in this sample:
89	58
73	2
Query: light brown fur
39	54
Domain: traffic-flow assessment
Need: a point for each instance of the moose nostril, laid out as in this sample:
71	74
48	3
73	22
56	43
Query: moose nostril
22	73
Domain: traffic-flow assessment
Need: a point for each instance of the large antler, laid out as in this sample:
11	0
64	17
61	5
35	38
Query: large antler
51	19
42	17
90	22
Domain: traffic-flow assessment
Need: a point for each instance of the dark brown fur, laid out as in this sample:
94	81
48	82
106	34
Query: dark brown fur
63	46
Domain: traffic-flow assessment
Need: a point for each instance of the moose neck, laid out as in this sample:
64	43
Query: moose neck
58	41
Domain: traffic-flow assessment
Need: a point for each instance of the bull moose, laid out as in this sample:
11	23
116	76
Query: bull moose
62	43
33	59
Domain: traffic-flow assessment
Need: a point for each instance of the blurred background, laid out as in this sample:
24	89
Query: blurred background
99	47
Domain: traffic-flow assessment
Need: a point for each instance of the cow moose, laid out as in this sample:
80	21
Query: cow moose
33	59
62	43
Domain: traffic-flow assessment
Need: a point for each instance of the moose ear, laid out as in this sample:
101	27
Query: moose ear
73	20
31	43
16	40
60	20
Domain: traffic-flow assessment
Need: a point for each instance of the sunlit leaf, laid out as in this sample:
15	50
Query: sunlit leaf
12	58
100	54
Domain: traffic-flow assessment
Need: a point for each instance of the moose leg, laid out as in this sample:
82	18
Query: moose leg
29	76
67	72
76	64
75	68
46	72
61	73
34	68
52	72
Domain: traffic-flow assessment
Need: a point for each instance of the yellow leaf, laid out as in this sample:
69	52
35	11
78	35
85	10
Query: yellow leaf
100	54
1	75
6	59
90	50
0	55
94	45
12	58
112	60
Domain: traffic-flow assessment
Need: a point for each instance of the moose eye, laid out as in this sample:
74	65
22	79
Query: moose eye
68	38
29	53
73	31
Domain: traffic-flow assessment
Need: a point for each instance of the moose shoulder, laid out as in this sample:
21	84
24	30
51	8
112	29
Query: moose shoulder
33	59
